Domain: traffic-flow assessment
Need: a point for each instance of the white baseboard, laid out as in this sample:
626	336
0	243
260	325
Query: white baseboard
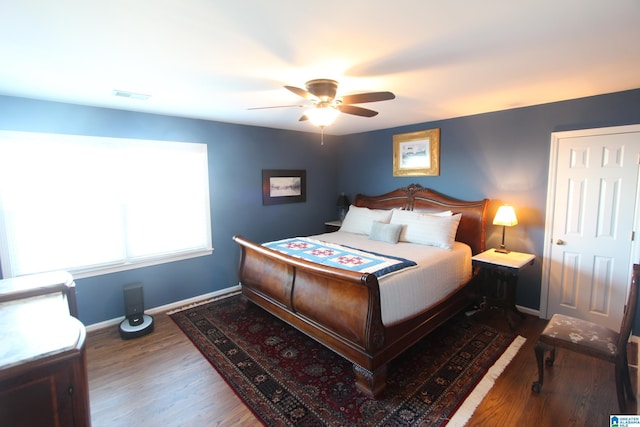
166	307
528	310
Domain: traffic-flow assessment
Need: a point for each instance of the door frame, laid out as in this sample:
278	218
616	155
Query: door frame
550	207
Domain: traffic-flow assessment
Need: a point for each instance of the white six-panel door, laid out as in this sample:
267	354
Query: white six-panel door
593	184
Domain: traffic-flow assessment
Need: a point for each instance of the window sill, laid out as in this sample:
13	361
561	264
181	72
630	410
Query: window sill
98	271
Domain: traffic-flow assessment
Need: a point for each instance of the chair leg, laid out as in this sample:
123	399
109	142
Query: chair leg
627	379
539	350
620	385
552	356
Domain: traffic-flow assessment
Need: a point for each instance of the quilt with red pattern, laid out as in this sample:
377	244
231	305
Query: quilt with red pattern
347	258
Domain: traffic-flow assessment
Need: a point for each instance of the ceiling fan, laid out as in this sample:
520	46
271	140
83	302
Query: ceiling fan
326	107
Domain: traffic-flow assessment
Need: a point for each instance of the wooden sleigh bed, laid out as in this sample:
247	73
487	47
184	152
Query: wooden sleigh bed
341	309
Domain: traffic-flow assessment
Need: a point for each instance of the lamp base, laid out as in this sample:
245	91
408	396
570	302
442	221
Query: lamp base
502	250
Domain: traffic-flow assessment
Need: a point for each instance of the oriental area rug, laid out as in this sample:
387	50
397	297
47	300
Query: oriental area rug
288	379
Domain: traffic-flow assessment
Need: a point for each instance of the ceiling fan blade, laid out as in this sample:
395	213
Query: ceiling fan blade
303	118
301	92
360	98
356	111
275	106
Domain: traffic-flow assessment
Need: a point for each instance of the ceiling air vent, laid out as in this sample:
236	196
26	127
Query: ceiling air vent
132	95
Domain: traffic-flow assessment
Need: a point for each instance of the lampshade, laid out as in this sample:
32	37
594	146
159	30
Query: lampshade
505	216
322	115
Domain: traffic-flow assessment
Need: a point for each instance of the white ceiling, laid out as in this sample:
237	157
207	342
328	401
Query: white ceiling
214	59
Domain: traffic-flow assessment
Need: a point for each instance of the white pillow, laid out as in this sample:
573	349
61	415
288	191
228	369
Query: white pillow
359	220
389	233
401	216
424	229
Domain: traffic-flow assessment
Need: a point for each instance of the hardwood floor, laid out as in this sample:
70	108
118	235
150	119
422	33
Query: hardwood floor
577	391
157	380
163	380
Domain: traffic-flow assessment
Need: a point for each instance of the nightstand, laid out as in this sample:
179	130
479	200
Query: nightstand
331	226
499	277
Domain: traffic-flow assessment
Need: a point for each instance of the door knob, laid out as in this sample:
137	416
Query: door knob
560	242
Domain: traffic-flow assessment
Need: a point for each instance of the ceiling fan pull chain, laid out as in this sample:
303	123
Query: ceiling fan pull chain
321	135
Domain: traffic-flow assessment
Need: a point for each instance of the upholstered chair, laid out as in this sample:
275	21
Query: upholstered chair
588	338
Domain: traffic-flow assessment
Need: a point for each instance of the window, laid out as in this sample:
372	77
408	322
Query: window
92	205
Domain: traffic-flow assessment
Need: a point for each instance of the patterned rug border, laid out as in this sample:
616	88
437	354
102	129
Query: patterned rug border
222	375
458	417
480	391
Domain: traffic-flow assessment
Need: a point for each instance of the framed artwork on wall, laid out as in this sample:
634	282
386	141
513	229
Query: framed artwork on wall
417	153
284	186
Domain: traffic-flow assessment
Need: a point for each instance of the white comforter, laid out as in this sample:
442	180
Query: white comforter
404	294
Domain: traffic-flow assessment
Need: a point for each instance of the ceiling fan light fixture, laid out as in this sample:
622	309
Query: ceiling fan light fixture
322	115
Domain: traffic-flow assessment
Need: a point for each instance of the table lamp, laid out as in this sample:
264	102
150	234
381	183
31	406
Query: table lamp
506	217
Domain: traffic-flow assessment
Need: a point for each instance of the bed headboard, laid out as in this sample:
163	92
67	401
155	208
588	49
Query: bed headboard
471	229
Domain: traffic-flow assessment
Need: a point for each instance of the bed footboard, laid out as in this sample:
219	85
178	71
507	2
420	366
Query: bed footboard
338	308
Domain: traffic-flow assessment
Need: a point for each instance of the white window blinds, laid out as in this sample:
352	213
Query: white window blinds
94	205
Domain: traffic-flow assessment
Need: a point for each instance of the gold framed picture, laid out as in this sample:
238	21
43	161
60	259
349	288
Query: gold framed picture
417	153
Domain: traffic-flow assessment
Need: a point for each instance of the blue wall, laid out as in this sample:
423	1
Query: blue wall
237	155
502	156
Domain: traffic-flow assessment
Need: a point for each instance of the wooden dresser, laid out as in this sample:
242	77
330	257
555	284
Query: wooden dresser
43	374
